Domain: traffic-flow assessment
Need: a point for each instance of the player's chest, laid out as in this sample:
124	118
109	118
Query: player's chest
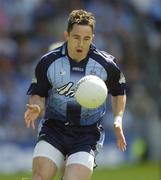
64	73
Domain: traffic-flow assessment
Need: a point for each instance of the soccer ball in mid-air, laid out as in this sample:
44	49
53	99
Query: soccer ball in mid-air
91	91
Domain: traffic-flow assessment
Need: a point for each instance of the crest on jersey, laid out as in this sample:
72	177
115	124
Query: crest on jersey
93	72
62	72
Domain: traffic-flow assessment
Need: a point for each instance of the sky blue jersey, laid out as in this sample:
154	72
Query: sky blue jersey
56	75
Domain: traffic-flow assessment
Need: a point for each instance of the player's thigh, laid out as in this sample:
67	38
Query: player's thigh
79	166
46	160
77	172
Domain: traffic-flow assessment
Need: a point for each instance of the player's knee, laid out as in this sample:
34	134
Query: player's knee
43	168
40	176
36	177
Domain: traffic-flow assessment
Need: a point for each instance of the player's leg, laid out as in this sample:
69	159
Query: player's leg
43	169
79	166
46	160
77	172
62	170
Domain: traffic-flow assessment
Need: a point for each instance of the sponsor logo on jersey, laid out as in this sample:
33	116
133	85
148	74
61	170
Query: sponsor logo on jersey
78	69
66	89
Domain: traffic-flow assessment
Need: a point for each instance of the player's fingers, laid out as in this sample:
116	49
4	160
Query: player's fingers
28	122
123	143
26	116
33	125
123	146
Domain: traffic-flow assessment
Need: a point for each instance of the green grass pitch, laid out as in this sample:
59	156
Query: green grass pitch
144	171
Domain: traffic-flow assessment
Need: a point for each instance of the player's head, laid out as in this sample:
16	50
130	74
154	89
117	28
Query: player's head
80	33
80	17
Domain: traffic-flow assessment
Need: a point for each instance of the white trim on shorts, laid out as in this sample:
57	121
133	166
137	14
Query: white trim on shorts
83	158
45	149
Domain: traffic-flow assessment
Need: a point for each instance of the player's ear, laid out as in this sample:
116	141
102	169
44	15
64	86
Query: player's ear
92	37
66	35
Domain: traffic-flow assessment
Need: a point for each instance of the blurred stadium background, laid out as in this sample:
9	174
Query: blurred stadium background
128	29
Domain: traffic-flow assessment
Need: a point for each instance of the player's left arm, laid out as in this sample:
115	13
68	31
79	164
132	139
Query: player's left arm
118	107
116	85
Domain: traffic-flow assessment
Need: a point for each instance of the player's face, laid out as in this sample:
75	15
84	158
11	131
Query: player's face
79	40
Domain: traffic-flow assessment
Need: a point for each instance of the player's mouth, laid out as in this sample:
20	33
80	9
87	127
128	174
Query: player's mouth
79	50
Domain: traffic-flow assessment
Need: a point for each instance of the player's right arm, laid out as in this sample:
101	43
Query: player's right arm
37	92
35	108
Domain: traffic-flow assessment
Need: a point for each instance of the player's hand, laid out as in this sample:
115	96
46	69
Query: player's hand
31	114
121	142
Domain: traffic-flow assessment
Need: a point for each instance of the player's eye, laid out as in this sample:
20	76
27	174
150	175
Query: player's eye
76	37
87	39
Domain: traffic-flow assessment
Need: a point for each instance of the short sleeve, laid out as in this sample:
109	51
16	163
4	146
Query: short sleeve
116	82
40	84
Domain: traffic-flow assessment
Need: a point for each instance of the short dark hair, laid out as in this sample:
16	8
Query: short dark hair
80	17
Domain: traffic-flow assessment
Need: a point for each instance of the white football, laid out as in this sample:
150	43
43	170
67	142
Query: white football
91	91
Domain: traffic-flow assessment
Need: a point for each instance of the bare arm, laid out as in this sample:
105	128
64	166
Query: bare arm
118	107
34	110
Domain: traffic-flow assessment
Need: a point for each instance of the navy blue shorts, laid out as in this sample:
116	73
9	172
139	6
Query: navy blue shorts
71	139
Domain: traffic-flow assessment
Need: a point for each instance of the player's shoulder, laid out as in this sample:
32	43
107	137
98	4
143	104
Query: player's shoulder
53	55
102	56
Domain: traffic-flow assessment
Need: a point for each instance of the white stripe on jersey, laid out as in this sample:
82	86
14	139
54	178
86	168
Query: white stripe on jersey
53	51
105	55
